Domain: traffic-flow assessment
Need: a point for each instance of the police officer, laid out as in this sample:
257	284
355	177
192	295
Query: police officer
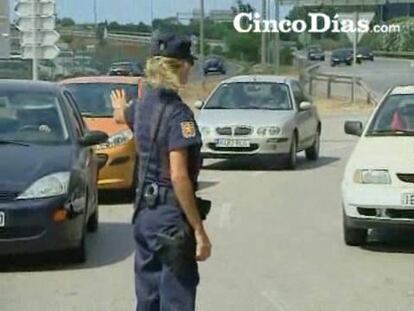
168	229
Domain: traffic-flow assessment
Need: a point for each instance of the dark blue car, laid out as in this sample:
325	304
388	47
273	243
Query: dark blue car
48	171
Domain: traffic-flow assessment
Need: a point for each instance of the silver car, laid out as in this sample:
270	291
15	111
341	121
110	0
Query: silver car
259	115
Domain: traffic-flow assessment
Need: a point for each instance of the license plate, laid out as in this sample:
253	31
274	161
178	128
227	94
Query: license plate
2	219
231	143
408	200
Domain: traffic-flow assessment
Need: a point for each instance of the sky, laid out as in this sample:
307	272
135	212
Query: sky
135	11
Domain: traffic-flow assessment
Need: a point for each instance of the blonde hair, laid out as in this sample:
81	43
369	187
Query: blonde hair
164	72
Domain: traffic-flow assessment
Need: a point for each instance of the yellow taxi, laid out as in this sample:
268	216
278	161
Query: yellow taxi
118	154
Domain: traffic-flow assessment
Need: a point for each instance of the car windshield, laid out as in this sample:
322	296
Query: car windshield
394	118
32	118
94	99
251	95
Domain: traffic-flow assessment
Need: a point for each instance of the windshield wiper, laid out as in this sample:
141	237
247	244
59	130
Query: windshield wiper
13	142
389	132
219	108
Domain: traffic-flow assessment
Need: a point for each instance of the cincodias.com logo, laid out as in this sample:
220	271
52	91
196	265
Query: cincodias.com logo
319	23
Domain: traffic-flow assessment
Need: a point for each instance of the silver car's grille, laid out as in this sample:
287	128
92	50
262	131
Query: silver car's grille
242	131
408	178
227	131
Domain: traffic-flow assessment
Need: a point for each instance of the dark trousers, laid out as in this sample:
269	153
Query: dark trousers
158	287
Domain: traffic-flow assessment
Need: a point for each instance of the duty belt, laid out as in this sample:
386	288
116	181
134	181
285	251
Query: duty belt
159	195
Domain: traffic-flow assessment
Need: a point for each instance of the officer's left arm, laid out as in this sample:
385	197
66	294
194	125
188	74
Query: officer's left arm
183	134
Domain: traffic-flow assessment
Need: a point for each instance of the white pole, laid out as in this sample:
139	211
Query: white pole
277	39
263	44
202	38
355	42
35	60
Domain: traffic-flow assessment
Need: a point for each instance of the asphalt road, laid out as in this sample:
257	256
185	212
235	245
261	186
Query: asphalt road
277	246
379	75
232	69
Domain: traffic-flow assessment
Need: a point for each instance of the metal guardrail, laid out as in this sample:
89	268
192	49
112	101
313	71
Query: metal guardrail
309	75
408	54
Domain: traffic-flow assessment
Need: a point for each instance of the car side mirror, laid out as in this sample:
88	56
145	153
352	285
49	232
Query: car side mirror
305	105
354	128
93	138
199	104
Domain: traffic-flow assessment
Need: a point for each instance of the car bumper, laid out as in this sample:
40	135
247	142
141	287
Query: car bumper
30	228
119	169
375	206
258	146
213	69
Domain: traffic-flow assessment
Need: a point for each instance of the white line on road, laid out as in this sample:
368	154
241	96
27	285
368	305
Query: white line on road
272	298
225	216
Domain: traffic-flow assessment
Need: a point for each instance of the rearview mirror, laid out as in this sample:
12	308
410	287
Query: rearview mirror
354	128
199	104
305	105
93	138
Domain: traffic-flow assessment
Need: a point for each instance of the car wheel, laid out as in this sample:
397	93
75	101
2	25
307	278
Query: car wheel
93	222
78	255
332	64
354	236
312	153
291	161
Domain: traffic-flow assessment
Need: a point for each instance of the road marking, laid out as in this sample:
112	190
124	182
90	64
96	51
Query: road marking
272	298
257	174
225	216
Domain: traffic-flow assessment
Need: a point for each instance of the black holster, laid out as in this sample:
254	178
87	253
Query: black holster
204	207
177	249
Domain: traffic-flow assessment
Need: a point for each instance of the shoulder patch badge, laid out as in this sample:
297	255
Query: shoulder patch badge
188	129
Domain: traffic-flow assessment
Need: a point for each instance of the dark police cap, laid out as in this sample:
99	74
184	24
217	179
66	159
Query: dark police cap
173	46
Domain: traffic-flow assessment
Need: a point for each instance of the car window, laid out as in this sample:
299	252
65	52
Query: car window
79	122
298	92
394	117
251	95
32	117
94	99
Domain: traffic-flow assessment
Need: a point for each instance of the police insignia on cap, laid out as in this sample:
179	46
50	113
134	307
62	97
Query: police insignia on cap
188	129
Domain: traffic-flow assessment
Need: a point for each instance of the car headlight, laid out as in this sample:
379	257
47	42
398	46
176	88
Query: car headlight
205	130
49	186
378	177
268	130
116	140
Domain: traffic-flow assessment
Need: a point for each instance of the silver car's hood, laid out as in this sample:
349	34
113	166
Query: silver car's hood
212	117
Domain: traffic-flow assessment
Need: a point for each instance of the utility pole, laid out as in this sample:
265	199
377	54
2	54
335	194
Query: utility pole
35	62
263	46
201	37
354	44
152	14
95	14
277	40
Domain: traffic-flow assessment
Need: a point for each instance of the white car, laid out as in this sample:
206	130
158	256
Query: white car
259	115
378	186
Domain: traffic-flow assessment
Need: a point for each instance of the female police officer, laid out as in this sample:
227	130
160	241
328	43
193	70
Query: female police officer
168	229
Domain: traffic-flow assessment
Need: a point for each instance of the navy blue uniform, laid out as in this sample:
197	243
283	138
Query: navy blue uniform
158	286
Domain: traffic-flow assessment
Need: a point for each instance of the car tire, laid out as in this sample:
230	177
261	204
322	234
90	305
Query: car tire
354	236
291	161
312	153
93	222
78	254
332	64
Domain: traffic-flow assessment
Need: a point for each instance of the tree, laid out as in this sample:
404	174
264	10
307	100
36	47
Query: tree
242	7
66	22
